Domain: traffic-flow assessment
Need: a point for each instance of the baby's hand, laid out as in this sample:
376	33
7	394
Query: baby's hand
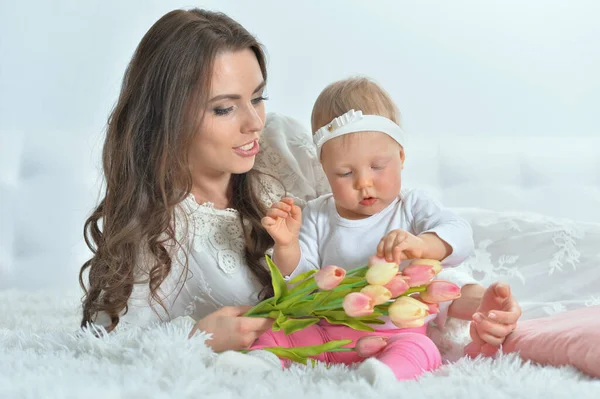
399	245
494	320
283	221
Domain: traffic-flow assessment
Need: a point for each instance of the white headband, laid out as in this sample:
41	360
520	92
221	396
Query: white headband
354	121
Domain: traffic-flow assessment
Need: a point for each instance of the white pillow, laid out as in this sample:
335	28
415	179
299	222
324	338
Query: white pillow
552	264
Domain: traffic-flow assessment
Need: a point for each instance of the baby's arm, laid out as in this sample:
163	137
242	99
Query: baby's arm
447	236
435	247
283	223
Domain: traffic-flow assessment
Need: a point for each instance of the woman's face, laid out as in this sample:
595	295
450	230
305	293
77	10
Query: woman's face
234	117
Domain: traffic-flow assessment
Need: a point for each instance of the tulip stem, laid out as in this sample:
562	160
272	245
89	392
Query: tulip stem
421	288
355	271
335	304
340	288
294	295
342	350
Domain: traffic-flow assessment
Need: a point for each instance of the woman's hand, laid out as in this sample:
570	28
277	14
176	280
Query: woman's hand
230	330
495	318
283	222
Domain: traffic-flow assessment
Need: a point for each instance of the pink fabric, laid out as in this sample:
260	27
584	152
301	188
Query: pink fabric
567	338
409	352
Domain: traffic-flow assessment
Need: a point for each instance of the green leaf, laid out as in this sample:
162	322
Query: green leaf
352	280
277	281
340	315
280	319
352	323
300	309
371	321
265	306
331	345
307	285
333	314
302	277
301	353
287	353
292	325
325	297
299	291
358	272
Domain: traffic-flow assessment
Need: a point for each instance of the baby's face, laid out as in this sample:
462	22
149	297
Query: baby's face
364	171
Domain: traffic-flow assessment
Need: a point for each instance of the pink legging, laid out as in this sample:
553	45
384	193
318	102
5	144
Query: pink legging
409	352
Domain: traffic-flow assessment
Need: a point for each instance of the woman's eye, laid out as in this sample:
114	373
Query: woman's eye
223	111
259	100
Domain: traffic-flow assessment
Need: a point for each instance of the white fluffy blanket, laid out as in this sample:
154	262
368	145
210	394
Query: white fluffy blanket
41	356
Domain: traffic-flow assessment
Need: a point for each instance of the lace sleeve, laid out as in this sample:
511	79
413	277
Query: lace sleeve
288	154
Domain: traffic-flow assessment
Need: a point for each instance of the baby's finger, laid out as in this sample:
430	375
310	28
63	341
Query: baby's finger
388	247
399	254
492	340
497	330
296	213
267	222
474	334
403	244
277	213
502	317
288	200
380	248
492	334
283	206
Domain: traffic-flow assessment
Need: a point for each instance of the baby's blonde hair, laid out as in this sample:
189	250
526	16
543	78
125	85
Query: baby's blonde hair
358	93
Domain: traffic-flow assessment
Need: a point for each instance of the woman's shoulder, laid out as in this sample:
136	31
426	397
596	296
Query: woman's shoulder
277	123
288	155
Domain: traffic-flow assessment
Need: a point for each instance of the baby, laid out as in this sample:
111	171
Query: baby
362	151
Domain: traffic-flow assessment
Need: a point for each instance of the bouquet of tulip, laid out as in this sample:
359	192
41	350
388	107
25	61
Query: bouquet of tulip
357	298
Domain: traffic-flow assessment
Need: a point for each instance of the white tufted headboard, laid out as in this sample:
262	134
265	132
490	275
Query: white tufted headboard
46	192
553	176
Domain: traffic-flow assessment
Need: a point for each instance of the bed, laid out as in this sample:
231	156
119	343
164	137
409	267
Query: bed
534	204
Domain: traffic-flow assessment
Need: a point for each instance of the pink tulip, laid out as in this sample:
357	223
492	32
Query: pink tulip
369	345
440	291
418	274
397	286
356	304
434	308
329	277
408	312
378	293
436	264
381	273
375	260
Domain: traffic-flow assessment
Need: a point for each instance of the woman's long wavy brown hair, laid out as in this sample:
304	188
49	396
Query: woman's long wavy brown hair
145	161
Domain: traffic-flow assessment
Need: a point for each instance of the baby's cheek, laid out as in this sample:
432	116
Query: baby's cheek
391	182
341	192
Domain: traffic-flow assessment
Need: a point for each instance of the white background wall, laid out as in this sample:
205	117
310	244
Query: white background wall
481	68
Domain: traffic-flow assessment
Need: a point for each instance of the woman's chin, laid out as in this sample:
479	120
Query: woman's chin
243	166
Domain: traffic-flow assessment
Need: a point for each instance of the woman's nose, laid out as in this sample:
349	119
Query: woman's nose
253	120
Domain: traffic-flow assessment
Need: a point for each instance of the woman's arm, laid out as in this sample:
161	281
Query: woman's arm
230	330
